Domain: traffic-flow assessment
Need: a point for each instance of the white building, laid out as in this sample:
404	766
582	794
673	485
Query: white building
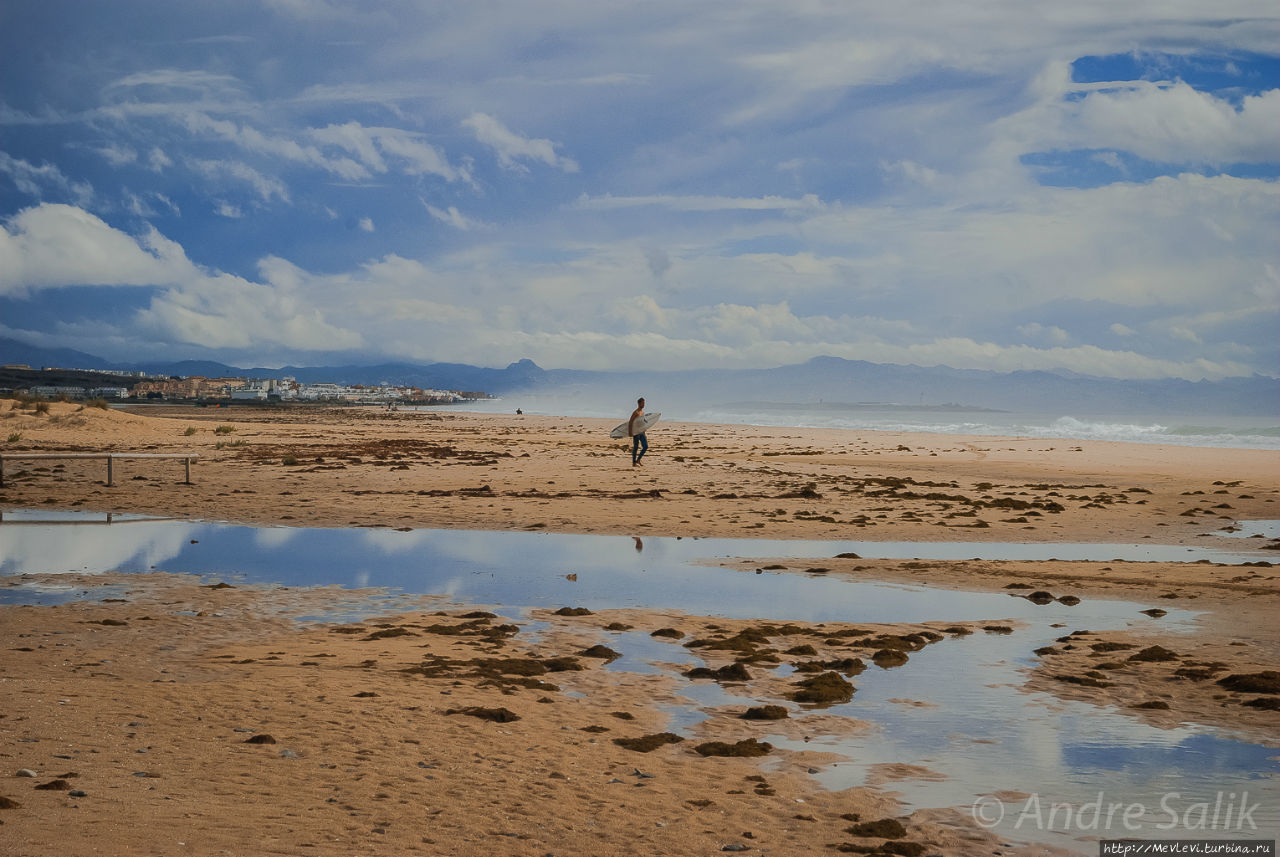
323	390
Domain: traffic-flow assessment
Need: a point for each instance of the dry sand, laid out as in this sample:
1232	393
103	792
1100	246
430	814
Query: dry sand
145	704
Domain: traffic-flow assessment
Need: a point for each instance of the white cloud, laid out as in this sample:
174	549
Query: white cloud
387	93
44	180
51	246
639	312
309	10
730	323
1178	124
809	202
55	245
202	82
838	63
419	157
511	148
1049	243
221	311
1163	122
356	139
914	173
453	217
1111	159
265	187
118	155
372	146
157	160
141	206
255	141
756	187
1051	334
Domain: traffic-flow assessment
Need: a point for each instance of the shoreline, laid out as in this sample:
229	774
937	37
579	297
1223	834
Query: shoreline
1262	432
355	467
360	774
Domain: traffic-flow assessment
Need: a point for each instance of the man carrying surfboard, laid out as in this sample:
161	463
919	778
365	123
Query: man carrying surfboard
638	440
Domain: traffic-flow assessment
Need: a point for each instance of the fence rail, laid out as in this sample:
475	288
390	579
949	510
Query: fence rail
109	457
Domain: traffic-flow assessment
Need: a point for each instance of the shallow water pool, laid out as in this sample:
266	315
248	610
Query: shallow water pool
957	709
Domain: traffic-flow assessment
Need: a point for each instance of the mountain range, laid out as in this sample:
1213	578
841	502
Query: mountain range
829	380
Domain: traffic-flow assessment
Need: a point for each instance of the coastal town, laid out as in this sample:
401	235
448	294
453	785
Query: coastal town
140	387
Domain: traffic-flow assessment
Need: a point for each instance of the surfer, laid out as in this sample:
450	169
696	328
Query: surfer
639	443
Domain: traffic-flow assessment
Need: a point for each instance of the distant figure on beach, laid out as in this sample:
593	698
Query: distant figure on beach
519	412
639	443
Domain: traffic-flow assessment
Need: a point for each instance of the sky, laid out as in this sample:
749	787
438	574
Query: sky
1012	184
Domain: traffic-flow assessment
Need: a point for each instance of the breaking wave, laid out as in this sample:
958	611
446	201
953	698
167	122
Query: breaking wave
1237	432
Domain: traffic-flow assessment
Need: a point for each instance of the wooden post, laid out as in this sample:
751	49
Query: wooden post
111	457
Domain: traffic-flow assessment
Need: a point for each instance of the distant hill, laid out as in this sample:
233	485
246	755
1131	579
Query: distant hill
822	379
13	351
25	379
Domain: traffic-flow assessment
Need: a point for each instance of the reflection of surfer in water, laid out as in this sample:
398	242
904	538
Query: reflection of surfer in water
639	443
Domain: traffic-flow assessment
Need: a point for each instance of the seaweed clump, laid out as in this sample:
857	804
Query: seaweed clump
747	748
765	712
497	715
648	743
1267	681
386	633
885	828
1266	703
598	651
823	689
729	672
887	658
1154	654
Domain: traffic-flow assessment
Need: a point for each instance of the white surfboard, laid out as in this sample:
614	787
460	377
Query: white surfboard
642	425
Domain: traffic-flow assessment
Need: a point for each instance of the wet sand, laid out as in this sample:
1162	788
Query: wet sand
391	737
371	468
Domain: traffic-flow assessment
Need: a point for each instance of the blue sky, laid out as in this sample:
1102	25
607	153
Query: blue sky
1005	185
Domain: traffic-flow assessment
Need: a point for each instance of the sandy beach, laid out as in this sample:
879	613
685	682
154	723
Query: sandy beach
446	730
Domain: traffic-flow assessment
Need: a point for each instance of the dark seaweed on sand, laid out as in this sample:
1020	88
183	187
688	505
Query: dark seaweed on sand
648	743
824	689
885	828
497	715
1154	654
886	658
765	712
1267	681
731	672
599	651
747	748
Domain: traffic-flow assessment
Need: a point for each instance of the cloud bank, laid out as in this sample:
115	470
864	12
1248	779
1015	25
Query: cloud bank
663	186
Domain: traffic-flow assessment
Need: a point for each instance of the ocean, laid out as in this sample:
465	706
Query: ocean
1198	430
1202	430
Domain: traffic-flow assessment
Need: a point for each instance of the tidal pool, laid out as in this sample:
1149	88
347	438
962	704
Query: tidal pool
957	709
